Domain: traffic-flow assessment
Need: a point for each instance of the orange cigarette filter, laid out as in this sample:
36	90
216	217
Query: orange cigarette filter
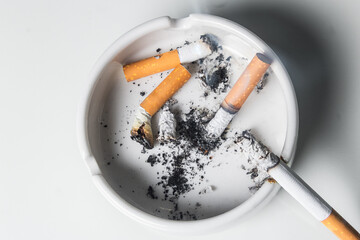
342	229
246	83
166	89
151	65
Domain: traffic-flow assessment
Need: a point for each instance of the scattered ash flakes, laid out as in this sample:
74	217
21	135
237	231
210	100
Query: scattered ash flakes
214	71
167	124
172	101
184	160
192	130
262	82
103	124
253	172
153	159
258	176
182	215
177	181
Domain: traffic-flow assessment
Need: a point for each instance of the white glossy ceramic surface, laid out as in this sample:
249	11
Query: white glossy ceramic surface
272	114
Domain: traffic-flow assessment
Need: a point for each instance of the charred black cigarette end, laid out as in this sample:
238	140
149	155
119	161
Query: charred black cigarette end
140	136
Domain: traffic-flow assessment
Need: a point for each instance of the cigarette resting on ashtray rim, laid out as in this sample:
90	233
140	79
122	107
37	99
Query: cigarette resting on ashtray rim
166	61
238	94
141	129
267	161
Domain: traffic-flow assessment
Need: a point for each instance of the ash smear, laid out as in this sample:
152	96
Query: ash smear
192	130
262	82
214	70
151	193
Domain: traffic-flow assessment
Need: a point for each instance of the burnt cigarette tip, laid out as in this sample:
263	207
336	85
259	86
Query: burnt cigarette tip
143	135
264	58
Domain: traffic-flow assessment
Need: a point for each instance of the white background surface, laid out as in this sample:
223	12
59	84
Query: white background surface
48	47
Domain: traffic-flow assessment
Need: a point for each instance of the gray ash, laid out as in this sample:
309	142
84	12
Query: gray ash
258	176
262	82
254	172
180	215
151	193
103	124
152	159
211	40
184	159
216	77
214	70
177	180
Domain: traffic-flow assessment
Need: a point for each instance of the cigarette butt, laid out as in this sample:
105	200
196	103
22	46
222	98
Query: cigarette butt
141	129
267	161
340	227
168	60
246	83
238	95
166	89
151	65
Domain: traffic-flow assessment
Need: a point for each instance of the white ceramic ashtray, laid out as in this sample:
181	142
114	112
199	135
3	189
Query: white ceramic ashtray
177	186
